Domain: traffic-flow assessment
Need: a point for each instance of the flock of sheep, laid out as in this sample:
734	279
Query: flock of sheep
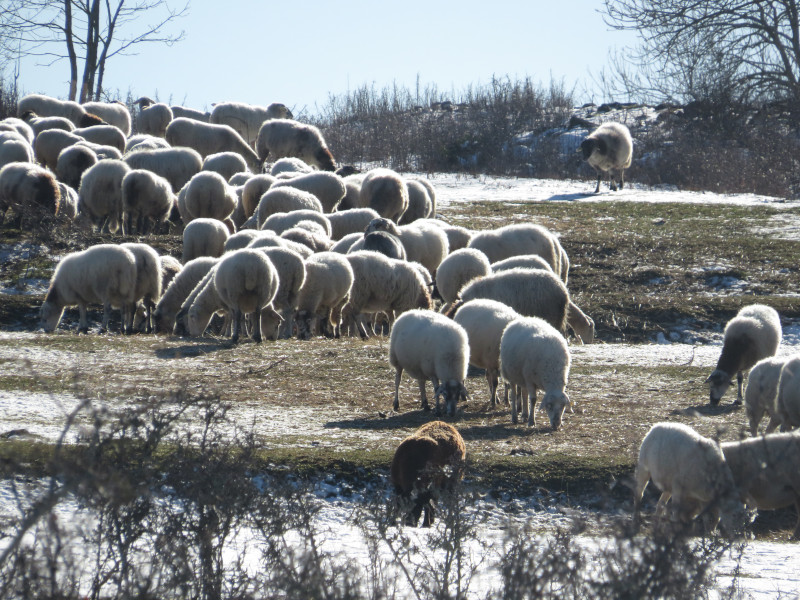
297	247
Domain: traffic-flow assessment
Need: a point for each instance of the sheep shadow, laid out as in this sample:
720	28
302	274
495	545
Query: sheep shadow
707	410
571	197
193	350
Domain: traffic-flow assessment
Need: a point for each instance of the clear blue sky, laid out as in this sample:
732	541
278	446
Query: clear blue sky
300	53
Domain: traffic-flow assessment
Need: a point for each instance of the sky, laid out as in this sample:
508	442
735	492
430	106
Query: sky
300	54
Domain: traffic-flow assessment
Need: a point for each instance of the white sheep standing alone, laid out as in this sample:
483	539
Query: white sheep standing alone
102	274
429	346
204	237
789	394
609	149
329	278
280	138
534	356
690	470
761	393
754	333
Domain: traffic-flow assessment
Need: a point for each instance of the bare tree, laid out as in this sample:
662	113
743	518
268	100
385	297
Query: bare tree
734	50
87	33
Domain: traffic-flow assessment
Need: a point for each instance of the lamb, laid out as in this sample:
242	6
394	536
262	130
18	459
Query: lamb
49	144
457	236
254	188
104	274
154	117
284	137
226	164
146	198
419	203
72	162
291	272
350	221
328	187
204	237
766	471
30	190
208	195
459	268
425	464
143	141
523	238
534	356
424	244
247	119
47	106
754	333
429	346
384	191
609	149
283	221
176	165
290	165
100	193
104	135
688	468
285	200
178	291
381	284
329	278
484	322
789	394
148	279
208	138
199	307
113	113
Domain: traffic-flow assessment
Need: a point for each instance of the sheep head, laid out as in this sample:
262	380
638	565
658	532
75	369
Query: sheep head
590	144
451	391
554	404
719	382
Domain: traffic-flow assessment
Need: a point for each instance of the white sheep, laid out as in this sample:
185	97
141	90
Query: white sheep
458	269
39	124
329	279
178	290
283	221
47	106
199	307
754	333
766	471
190	113
18	125
208	138
280	138
102	274
114	113
176	165
31	191
147	198
241	239
169	268
208	195
789	394
100	194
690	470
457	236
148	279
761	393
524	261
247	119
72	162
204	237
14	148
425	244
419	203
352	195
310	234
49	144
68	207
153	118
100	150
534	356
609	149
484	322
104	135
431	192
328	187
290	165
254	188
350	220
384	191
284	200
291	271
226	164
343	245
430	347
582	325
144	141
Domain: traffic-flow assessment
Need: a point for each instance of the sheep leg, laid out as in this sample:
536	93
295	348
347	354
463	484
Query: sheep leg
599	178
611	183
397	388
532	415
257	334
423	396
514	404
362	329
237	317
774	421
739	380
436	394
83	324
642	479
491	378
621	178
796	534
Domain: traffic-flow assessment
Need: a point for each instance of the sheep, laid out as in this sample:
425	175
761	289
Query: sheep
30	190
383	242
459	268
146	198
104	274
381	284
176	165
18	125
524	261
39	124
522	238
199	307
143	141
688	468
766	471
154	117
754	333
280	138
204	237
419	203
425	464
343	245
329	279
247	283
424	244
328	187
384	191
761	393
226	164
190	113
254	188
290	165
309	234
789	394
428	188
350	221
285	200
72	162
178	290
291	272
352	195
457	236
148	279
283	221
241	239
49	144
208	139
582	325
607	149
169	268
113	113
14	148
247	119
429	346
100	193
100	150
269	239
47	106
534	356
208	195
105	135
68	207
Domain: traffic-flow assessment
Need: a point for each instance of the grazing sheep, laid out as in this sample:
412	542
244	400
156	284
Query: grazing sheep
143	141
789	394
104	135
419	203
254	188
328	187
425	464
18	125
170	267
208	195
113	113
242	239
178	291
381	284
30	190
429	346
291	271
457	236
582	325
47	106
523	238
14	148
688	468
147	198
290	165
383	242
329	278
350	221
49	144
208	138
190	113
226	164
102	274
761	393
607	149
425	244
199	307
176	165
283	221
280	138
284	200
309	234
484	322
148	280
100	194
384	191
72	162
458	269
39	124
154	117
431	192
754	333
247	119
766	470
204	237
68	207
534	356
